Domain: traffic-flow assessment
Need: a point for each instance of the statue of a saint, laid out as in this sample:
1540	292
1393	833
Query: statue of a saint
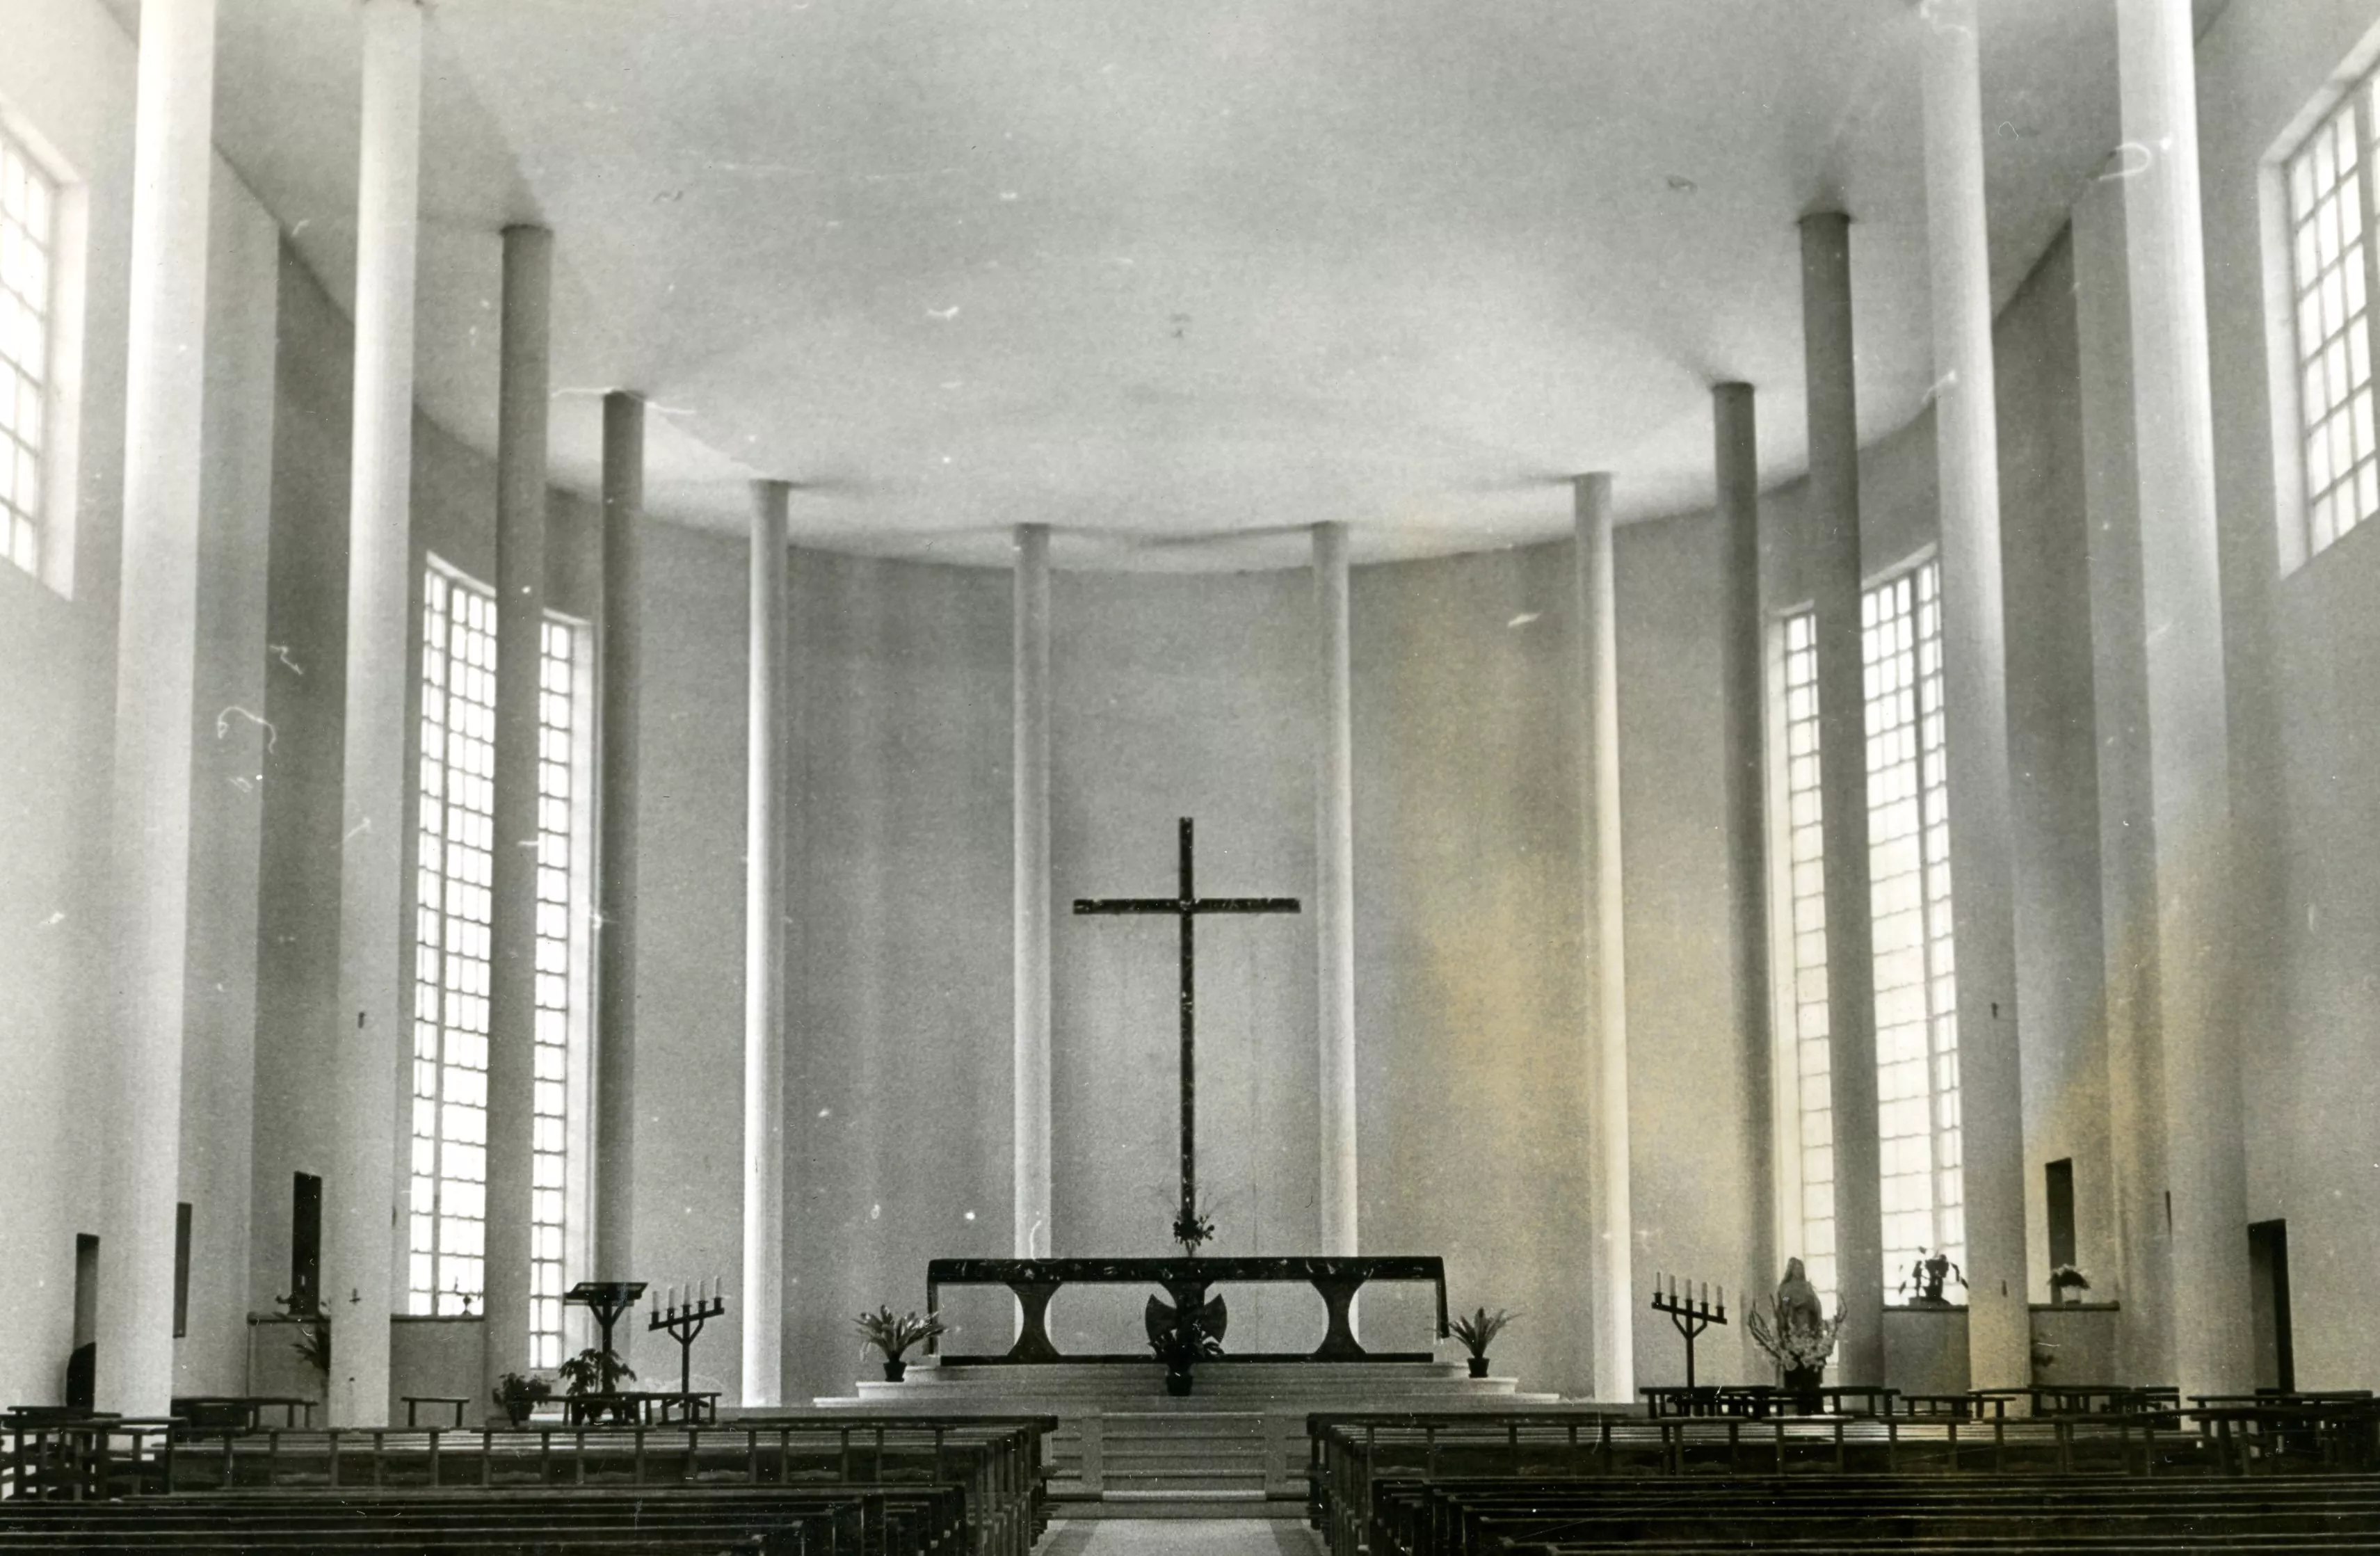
1797	1300
1800	1336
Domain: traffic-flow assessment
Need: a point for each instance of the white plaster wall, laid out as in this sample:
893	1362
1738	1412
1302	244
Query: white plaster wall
2302	654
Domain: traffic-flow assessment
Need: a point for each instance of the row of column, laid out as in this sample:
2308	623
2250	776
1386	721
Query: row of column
364	1230
2176	1027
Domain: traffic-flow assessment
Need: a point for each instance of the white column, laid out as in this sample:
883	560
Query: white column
156	664
1975	701
520	629
615	935
1836	577
2144	1278
1736	454
361	1228
1611	1272
2189	733
1030	648
1334	895
764	959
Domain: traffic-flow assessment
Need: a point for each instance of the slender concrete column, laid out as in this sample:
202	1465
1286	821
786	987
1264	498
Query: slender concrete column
2143	1284
156	667
1836	576
1974	676
2189	732
520	652
764	959
1735	447
1610	1273
361	1229
1334	895
615	939
1030	646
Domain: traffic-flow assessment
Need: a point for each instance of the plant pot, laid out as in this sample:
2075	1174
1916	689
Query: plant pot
1802	1385
519	1418
1177	1382
1479	1367
893	1369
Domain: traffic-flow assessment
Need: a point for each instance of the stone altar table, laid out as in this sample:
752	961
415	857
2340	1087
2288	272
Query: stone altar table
1186	1279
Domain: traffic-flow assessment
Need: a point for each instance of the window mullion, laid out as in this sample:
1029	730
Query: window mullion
2368	196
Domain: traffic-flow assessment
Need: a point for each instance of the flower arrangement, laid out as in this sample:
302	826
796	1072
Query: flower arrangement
1191	1228
1478	1331
892	1335
1795	1347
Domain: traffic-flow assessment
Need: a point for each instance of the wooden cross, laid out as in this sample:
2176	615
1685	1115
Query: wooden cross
1187	904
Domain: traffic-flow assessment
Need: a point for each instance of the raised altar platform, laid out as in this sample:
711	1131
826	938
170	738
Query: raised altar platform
1237	1447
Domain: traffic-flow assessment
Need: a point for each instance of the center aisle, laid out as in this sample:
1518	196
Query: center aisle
1179	1536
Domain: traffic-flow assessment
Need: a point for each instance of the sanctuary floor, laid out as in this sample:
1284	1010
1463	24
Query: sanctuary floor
1179	1536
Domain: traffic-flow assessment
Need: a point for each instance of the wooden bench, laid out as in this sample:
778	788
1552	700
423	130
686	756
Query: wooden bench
1458	1518
413	1403
899	1520
993	1467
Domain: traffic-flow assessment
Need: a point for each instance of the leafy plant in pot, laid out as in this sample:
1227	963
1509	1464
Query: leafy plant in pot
519	1393
1478	1331
893	1336
594	1372
2064	1282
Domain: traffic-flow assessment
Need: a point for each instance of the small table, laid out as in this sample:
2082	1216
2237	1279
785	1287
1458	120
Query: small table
413	1403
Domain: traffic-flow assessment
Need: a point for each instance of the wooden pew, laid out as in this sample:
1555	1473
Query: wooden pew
1363	1465
1851	1513
991	1469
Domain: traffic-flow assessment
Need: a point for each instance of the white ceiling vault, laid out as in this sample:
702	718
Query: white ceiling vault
1155	272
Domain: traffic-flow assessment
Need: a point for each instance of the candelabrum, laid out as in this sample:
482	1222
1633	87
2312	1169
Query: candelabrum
1691	1313
683	1315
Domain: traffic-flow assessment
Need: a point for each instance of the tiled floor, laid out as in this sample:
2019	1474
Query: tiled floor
1179	1536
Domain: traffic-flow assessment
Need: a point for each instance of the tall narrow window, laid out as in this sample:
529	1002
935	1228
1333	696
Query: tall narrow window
1909	887
27	242
562	838
1812	1171
447	1229
2329	190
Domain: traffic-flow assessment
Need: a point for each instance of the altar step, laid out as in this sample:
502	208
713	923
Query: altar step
1234	1448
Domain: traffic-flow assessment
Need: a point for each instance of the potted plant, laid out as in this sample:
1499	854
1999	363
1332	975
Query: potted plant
594	1372
2063	1279
893	1336
1182	1344
518	1394
313	1341
1478	1331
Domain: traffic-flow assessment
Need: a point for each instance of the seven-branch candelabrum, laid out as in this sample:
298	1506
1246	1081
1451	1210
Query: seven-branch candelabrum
1695	1300
682	1312
1692	1311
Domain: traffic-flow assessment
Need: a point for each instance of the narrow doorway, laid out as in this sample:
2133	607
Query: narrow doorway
2268	1300
306	1245
82	1362
2061	1184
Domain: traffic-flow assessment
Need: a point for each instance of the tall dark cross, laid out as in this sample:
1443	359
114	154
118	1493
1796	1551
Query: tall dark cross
1187	904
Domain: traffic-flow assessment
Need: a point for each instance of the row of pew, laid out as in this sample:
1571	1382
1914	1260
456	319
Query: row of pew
800	1486
2279	1474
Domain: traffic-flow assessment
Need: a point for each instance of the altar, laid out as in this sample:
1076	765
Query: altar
1188	1282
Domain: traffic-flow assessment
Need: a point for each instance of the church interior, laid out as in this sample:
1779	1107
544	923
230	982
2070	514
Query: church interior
721	664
